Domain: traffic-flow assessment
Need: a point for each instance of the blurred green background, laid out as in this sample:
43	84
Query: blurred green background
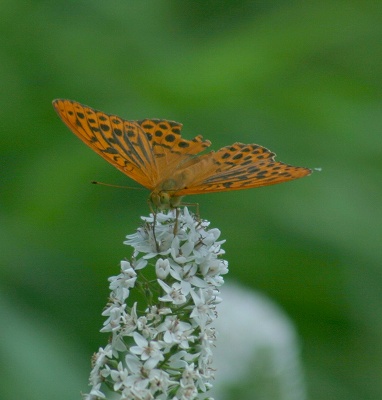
301	78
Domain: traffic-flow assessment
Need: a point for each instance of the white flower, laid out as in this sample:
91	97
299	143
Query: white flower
176	331
173	294
160	381
189	375
121	284
162	268
139	264
136	392
161	347
180	360
119	376
116	314
130	321
202	312
98	361
138	240
155	313
187	392
182	253
137	382
137	385
146	328
213	267
186	275
95	393
150	351
126	267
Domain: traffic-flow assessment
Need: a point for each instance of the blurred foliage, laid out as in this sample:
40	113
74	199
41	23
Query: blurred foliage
302	78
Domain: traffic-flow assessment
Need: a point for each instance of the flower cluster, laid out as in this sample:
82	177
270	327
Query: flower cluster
161	344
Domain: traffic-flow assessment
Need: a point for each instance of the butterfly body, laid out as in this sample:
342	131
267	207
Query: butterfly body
164	196
153	153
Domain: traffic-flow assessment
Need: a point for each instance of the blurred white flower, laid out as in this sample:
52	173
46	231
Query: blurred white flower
266	359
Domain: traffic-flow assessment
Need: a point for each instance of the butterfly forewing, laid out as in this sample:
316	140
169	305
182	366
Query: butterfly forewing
122	143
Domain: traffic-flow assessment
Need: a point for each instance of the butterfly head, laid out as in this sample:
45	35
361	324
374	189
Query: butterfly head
164	195
164	200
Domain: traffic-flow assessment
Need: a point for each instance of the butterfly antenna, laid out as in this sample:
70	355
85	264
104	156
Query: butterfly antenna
116	186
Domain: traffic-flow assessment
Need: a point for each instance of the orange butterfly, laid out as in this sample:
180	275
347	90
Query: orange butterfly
153	153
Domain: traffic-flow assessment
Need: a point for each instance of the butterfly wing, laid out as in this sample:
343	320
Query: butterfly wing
236	167
153	153
122	143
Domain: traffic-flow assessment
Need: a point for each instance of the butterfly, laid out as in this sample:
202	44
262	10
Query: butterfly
154	154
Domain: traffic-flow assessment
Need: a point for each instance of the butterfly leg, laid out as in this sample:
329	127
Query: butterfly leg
177	210
154	212
196	205
155	239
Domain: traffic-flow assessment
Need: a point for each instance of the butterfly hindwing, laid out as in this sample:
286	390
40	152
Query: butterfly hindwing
170	149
